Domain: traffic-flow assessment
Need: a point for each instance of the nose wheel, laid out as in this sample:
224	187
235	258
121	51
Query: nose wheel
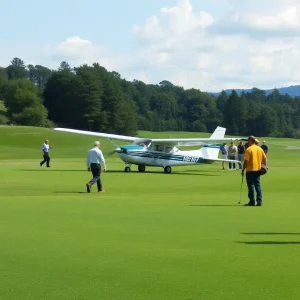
127	169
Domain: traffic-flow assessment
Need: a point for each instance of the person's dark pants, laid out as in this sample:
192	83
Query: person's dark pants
96	170
233	164
253	181
46	159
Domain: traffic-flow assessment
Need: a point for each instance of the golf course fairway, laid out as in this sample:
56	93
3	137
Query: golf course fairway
150	236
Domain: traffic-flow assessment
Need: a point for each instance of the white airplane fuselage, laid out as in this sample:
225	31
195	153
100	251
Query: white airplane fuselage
141	156
151	158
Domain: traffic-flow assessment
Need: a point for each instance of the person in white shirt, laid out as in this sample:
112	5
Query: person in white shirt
94	160
45	150
232	152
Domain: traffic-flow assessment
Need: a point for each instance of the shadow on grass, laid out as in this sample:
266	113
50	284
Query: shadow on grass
52	170
69	192
119	171
216	205
271	233
162	172
269	243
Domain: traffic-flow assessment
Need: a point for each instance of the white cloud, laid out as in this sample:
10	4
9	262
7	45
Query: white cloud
252	43
79	51
283	22
242	49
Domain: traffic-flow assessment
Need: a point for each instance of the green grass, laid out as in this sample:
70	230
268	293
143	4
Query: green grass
151	235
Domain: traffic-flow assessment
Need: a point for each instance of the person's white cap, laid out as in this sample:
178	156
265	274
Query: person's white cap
97	143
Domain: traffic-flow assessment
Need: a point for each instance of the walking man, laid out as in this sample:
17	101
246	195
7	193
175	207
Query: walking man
241	152
45	150
94	160
253	160
232	151
224	152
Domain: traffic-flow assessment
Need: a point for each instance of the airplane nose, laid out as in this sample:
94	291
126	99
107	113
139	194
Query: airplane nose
117	150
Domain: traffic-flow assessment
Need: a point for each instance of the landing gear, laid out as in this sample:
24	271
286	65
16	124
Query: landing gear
127	169
168	169
141	168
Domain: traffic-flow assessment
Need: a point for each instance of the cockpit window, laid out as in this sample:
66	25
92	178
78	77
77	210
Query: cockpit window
158	148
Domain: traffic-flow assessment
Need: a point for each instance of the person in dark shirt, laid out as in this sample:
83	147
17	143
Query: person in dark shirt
241	152
265	147
224	151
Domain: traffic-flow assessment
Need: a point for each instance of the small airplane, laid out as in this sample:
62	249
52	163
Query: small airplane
163	152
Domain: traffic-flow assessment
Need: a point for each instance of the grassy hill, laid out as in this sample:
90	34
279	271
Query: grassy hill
18	142
150	235
25	142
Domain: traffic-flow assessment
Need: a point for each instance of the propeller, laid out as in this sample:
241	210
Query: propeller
117	150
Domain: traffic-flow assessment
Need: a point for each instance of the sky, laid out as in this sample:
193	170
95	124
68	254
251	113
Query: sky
205	44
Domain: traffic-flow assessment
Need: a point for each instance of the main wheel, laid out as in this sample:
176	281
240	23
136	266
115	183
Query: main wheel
127	169
141	168
168	169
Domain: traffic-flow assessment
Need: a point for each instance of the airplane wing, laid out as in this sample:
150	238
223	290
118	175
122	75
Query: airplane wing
217	136
104	135
192	141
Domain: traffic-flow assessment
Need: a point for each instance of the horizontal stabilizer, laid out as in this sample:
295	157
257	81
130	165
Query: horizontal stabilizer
209	160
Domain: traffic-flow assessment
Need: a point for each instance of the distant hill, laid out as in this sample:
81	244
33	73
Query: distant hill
291	90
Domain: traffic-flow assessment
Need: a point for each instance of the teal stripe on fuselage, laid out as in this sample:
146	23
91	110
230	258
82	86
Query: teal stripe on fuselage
147	154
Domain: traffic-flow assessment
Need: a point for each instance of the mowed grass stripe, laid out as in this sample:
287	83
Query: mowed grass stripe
151	235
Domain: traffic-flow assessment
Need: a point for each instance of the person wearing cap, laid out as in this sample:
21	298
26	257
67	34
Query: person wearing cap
253	160
265	147
45	151
94	160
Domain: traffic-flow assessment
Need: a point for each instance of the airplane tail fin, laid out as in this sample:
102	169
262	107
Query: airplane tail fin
211	151
219	133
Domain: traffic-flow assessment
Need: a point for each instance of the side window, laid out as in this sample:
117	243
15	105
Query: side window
158	148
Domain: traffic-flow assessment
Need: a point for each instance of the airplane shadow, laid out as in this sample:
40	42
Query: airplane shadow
69	192
122	171
51	170
269	243
161	172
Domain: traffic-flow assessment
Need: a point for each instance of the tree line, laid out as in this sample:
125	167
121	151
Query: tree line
89	97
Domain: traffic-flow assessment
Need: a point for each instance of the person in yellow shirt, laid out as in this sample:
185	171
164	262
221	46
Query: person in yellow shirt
253	160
